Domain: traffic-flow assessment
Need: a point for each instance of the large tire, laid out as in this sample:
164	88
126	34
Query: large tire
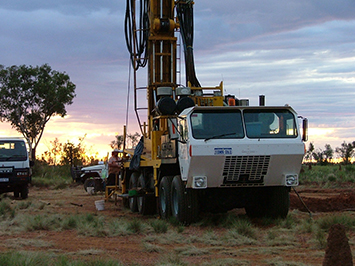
165	197
90	183
184	204
24	192
17	193
145	203
271	202
132	202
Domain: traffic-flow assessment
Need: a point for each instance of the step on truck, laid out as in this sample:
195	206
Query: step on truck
15	170
201	151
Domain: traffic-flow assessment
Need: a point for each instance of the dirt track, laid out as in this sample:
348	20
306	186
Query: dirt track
132	249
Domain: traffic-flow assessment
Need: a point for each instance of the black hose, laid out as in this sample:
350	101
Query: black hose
137	39
186	20
304	204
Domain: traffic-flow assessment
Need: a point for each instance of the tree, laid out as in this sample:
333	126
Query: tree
346	151
328	153
54	151
117	143
323	156
132	141
72	154
310	152
30	96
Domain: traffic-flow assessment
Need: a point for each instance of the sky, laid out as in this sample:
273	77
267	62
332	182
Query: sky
295	52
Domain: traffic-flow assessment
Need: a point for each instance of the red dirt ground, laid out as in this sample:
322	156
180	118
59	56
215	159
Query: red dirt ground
129	249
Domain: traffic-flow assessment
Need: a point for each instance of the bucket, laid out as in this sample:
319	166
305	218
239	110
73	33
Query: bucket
100	205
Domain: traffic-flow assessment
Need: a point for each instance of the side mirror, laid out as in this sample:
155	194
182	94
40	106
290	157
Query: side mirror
304	129
172	126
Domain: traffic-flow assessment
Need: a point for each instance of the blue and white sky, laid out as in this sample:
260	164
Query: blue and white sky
300	53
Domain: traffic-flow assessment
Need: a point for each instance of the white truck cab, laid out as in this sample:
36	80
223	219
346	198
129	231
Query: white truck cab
15	171
241	156
249	146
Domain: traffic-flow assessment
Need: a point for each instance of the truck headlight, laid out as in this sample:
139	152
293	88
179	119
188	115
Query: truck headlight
291	180
199	182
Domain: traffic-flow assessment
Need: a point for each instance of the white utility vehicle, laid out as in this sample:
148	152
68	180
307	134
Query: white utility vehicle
15	170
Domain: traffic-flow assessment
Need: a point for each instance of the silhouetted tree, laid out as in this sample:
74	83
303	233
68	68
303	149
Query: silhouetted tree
328	153
117	143
72	154
309	152
346	151
30	96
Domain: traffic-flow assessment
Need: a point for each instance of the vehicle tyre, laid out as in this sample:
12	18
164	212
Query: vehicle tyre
271	202
279	204
184	203
24	192
165	197
133	185
16	193
90	183
145	203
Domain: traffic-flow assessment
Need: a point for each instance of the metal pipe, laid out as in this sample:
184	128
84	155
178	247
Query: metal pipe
261	100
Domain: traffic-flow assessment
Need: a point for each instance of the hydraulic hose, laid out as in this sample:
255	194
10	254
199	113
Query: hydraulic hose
137	39
185	15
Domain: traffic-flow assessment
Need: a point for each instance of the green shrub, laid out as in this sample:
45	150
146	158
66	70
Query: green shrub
306	226
326	222
45	259
159	226
328	176
245	228
6	210
320	237
24	258
41	222
70	222
134	226
172	260
57	176
91	225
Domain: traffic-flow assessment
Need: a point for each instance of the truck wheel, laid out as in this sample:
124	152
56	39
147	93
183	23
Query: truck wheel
279	204
90	183
133	185
184	204
271	202
24	192
146	203
165	197
17	193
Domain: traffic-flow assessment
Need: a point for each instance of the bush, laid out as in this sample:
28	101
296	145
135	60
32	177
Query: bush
45	175
328	176
159	226
326	222
5	209
135	226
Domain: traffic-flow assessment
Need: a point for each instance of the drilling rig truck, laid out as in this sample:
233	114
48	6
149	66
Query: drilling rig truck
201	151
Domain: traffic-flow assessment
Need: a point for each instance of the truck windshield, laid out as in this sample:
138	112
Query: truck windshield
276	123
13	151
221	124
